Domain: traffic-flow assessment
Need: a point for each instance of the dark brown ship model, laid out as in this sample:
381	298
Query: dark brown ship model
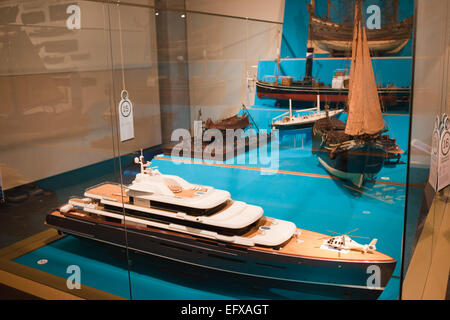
202	147
336	38
234	122
356	150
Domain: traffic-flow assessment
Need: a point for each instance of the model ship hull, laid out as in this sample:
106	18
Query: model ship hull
235	122
265	90
348	277
385	46
293	126
303	122
357	164
336	38
359	161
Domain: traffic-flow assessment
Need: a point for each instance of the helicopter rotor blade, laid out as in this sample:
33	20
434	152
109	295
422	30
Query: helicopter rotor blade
334	232
360	237
343	234
351	231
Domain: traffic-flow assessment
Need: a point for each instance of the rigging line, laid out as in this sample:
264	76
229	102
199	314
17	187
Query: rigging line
338	13
444	63
111	118
121	53
246	61
127	253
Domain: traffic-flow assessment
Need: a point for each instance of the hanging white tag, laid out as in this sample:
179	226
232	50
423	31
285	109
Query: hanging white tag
435	140
126	117
444	155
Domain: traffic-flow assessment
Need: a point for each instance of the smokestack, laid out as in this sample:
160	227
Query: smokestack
309	64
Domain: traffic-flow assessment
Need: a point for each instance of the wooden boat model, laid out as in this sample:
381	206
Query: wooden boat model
336	38
357	149
166	216
234	122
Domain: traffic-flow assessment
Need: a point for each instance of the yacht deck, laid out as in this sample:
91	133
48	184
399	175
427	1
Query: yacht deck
113	191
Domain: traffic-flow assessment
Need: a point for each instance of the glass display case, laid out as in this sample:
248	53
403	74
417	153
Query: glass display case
184	149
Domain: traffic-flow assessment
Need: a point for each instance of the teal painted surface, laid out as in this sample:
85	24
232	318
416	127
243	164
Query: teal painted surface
316	204
104	267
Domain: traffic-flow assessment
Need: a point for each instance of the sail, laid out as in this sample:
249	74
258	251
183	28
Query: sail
364	110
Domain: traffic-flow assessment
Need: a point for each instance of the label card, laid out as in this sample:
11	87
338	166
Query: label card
444	155
433	178
126	118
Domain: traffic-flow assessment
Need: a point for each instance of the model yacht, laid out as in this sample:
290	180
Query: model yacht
166	216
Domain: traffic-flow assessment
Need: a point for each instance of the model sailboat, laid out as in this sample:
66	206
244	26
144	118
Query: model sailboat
358	149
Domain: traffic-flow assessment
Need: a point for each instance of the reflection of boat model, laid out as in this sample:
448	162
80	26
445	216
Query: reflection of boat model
357	149
33	103
336	38
307	89
288	120
168	217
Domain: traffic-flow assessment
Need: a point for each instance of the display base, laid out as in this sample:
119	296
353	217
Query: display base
208	151
50	287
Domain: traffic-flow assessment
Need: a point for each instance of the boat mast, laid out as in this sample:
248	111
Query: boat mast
313	6
278	66
328	7
278	57
347	7
364	110
395	18
391	12
290	107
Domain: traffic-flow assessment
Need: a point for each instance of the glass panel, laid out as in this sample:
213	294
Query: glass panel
135	70
211	64
426	209
258	186
57	140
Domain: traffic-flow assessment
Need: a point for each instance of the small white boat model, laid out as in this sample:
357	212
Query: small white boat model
299	120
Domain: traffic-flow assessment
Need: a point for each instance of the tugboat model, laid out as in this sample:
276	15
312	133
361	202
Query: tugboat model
288	120
356	150
166	216
307	89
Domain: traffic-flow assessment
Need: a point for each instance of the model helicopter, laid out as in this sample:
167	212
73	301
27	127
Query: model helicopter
344	242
